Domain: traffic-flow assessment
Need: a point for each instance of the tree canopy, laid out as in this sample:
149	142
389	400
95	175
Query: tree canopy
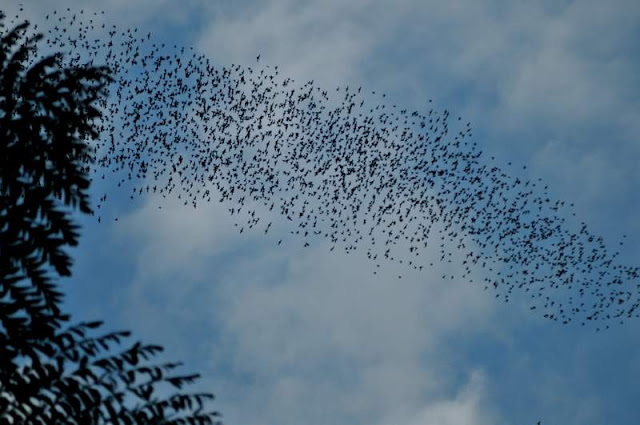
51	371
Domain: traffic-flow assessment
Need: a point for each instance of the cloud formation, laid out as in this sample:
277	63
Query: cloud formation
307	335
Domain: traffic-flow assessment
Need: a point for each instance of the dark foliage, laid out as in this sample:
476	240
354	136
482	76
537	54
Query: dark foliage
51	375
76	378
46	114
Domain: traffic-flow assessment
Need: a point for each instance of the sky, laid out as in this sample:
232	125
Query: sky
285	334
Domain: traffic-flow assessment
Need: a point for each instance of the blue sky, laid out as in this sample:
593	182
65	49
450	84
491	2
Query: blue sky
286	335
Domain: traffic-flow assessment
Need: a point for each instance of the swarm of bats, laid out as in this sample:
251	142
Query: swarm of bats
339	165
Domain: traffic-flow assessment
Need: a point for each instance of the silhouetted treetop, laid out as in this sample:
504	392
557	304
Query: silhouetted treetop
47	112
50	375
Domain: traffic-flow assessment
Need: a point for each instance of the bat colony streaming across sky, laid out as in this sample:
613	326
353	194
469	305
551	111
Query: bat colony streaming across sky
340	166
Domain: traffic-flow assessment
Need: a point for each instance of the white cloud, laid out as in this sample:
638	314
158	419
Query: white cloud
307	40
305	335
465	409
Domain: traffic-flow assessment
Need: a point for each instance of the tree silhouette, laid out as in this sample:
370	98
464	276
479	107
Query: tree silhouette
49	373
47	112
